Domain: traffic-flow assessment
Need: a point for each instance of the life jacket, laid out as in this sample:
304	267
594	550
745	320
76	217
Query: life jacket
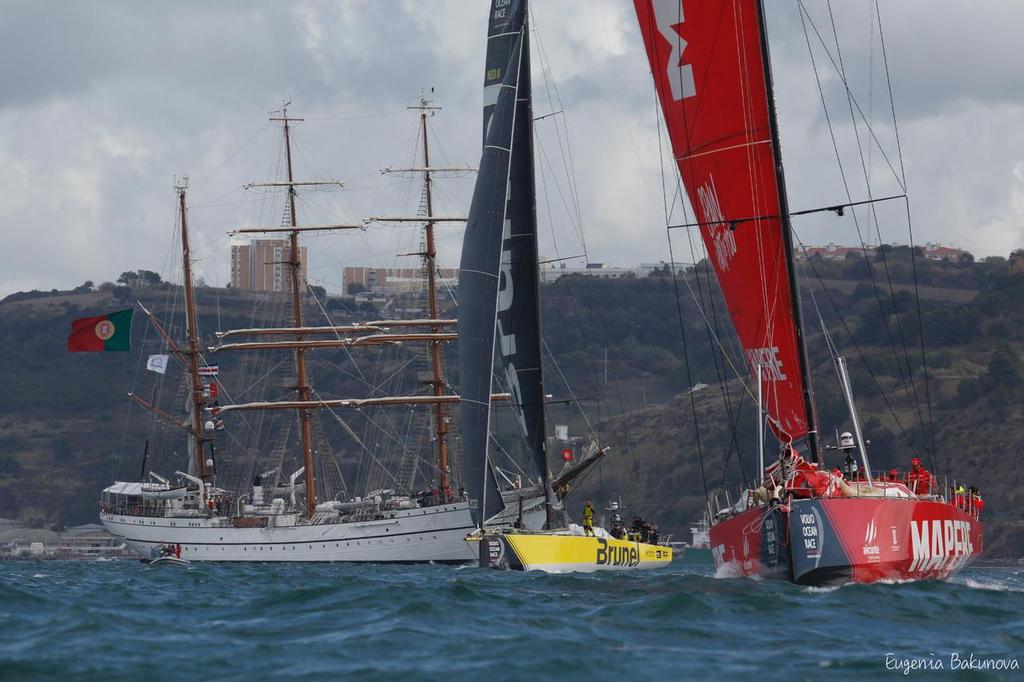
588	515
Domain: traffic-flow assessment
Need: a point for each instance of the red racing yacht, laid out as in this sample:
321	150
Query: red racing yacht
802	521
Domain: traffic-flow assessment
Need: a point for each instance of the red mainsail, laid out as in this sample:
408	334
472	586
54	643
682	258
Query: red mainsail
706	59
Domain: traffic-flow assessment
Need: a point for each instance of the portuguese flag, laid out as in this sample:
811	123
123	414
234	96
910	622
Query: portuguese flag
112	331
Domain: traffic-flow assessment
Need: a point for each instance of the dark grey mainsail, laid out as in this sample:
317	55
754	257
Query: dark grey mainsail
504	27
518	318
478	293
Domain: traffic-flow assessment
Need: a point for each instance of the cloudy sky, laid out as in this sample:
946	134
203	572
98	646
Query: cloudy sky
103	103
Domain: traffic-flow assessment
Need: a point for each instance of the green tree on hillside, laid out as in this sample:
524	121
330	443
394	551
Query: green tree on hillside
1004	378
62	450
150	278
9	465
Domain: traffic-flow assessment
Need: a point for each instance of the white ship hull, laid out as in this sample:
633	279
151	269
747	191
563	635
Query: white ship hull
428	534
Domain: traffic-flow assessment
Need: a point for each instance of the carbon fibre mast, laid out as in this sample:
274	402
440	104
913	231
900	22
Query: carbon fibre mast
787	240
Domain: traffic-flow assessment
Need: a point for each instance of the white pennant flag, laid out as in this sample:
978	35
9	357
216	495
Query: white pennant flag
157	363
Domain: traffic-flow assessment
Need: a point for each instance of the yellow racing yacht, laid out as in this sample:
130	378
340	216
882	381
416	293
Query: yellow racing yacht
499	315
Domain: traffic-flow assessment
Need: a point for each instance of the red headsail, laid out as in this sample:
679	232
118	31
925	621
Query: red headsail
707	64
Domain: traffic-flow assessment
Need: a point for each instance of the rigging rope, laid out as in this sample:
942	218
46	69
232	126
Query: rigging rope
874	214
853	342
913	250
676	297
909	387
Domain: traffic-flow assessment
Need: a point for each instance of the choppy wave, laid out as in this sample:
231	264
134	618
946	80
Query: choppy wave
121	620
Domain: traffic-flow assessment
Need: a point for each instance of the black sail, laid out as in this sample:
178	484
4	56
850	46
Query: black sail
478	293
518	319
504	27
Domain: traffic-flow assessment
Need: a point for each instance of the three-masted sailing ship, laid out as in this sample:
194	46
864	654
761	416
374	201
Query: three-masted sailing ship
288	522
499	315
801	521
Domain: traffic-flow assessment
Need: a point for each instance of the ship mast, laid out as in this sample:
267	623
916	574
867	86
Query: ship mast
430	263
298	286
440	387
198	399
787	241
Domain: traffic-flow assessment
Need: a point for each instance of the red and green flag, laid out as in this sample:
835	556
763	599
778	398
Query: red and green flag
112	331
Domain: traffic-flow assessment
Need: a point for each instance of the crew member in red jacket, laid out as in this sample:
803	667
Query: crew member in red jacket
919	480
977	504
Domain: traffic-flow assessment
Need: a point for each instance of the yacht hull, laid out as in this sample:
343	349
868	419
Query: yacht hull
832	541
563	553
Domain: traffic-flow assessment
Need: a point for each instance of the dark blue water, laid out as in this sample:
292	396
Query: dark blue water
123	620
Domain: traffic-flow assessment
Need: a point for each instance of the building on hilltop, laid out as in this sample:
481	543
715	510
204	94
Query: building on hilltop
647	269
262	265
394	280
952	254
835	252
600	270
931	251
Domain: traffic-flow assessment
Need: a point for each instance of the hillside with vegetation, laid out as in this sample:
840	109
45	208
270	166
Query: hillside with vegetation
616	349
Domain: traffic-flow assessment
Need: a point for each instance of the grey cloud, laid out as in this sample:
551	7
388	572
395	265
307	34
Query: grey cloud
110	99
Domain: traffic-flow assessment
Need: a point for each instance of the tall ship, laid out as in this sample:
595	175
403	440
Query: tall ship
802	520
290	515
499	330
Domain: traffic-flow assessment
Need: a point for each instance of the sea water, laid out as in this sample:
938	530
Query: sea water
125	620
